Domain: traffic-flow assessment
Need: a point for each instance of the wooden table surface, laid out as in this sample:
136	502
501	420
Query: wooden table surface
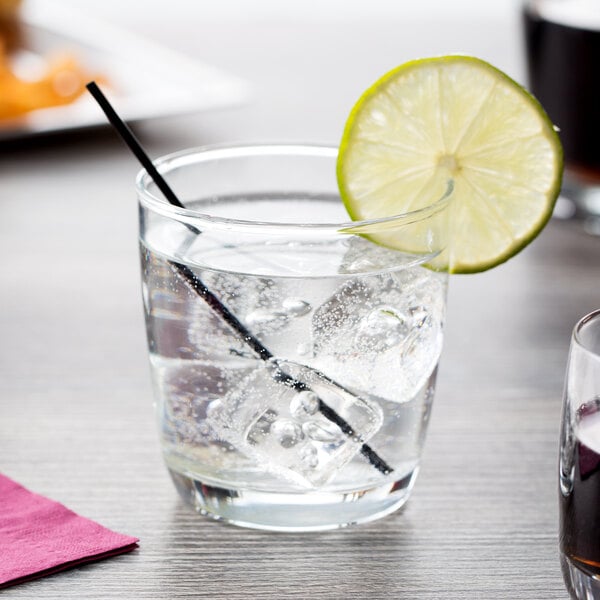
76	418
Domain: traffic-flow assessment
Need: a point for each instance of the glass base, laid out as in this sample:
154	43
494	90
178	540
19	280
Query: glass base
315	511
580	584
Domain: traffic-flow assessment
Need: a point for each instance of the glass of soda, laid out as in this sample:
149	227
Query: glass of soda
293	351
562	39
579	464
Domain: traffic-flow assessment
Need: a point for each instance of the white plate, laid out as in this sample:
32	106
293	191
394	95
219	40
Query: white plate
146	80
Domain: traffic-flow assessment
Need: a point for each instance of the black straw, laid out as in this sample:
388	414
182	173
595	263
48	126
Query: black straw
133	144
200	288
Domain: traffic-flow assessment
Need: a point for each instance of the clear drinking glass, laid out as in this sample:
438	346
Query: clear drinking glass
293	353
579	469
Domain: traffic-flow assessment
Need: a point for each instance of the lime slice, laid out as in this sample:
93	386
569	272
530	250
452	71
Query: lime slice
453	118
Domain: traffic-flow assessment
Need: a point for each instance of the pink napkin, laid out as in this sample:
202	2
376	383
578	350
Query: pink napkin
39	536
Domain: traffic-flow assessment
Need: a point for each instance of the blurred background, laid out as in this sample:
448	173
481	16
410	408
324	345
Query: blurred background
310	59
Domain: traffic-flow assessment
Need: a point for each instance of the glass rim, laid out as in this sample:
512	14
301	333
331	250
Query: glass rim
578	329
217	151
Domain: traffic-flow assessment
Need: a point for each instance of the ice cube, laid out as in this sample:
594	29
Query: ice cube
284	428
188	390
277	315
382	334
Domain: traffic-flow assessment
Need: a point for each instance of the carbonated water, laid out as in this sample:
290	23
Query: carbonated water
357	325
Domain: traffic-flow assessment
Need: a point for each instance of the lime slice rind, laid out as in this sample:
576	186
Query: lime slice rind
453	117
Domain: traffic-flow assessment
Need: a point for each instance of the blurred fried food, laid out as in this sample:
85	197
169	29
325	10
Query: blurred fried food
63	81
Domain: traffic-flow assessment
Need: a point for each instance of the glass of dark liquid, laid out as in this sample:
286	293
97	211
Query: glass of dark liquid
562	39
579	463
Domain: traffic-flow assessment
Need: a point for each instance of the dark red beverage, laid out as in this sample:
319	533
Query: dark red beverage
580	493
563	60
